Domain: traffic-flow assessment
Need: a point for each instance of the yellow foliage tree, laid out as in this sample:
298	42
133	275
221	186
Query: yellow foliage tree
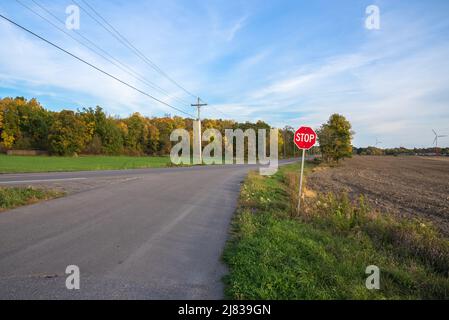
8	140
1	118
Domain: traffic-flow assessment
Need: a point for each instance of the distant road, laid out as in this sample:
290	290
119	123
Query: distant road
12	178
157	235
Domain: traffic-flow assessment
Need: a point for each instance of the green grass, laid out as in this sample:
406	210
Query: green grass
323	253
15	197
22	164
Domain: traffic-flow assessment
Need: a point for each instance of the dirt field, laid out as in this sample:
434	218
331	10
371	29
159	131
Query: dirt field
407	186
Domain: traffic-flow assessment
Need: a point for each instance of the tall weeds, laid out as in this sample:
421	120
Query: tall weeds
410	237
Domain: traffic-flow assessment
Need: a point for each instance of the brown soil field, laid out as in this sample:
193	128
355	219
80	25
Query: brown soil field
407	186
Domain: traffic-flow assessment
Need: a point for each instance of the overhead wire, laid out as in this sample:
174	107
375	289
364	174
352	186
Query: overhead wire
106	25
122	39
130	71
94	67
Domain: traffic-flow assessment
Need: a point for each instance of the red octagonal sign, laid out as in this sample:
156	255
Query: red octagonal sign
305	138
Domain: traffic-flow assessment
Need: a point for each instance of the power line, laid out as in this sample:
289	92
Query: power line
123	40
93	66
115	61
153	64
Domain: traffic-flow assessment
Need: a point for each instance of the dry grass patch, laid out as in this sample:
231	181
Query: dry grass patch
14	197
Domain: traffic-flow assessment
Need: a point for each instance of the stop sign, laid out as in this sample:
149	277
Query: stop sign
305	138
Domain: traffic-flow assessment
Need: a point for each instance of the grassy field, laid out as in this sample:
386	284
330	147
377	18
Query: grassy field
323	253
18	164
15	197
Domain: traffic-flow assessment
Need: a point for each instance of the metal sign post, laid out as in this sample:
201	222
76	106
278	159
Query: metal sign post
300	179
305	138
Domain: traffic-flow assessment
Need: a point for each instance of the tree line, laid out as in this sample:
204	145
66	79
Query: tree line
401	151
27	125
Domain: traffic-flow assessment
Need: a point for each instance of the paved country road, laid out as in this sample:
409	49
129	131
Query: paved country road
157	234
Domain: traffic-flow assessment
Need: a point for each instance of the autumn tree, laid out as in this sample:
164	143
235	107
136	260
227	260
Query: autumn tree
286	145
136	134
2	108
165	126
34	126
335	138
68	134
11	121
24	124
103	134
111	137
27	125
153	137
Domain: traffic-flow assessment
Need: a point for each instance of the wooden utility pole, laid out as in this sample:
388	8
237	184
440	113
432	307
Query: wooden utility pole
198	142
199	105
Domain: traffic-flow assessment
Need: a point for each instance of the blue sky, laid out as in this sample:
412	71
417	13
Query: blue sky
285	62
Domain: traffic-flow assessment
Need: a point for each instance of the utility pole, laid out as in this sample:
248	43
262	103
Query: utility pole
197	150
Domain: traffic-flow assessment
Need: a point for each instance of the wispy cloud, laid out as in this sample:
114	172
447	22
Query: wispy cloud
238	25
387	87
252	60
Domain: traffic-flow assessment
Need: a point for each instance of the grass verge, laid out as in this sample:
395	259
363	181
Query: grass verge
15	197
26	164
324	252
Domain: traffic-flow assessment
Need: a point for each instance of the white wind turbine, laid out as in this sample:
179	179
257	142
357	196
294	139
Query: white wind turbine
435	141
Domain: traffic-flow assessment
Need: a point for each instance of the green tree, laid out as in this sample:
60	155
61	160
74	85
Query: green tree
137	135
335	138
68	134
103	134
165	126
286	145
34	125
111	137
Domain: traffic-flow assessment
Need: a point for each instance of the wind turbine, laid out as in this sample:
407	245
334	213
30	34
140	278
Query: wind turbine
377	142
435	141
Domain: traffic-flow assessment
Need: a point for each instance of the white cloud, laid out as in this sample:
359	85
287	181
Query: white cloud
31	63
386	88
393	83
238	25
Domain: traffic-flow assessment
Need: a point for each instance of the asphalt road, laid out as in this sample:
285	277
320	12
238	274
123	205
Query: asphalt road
158	234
